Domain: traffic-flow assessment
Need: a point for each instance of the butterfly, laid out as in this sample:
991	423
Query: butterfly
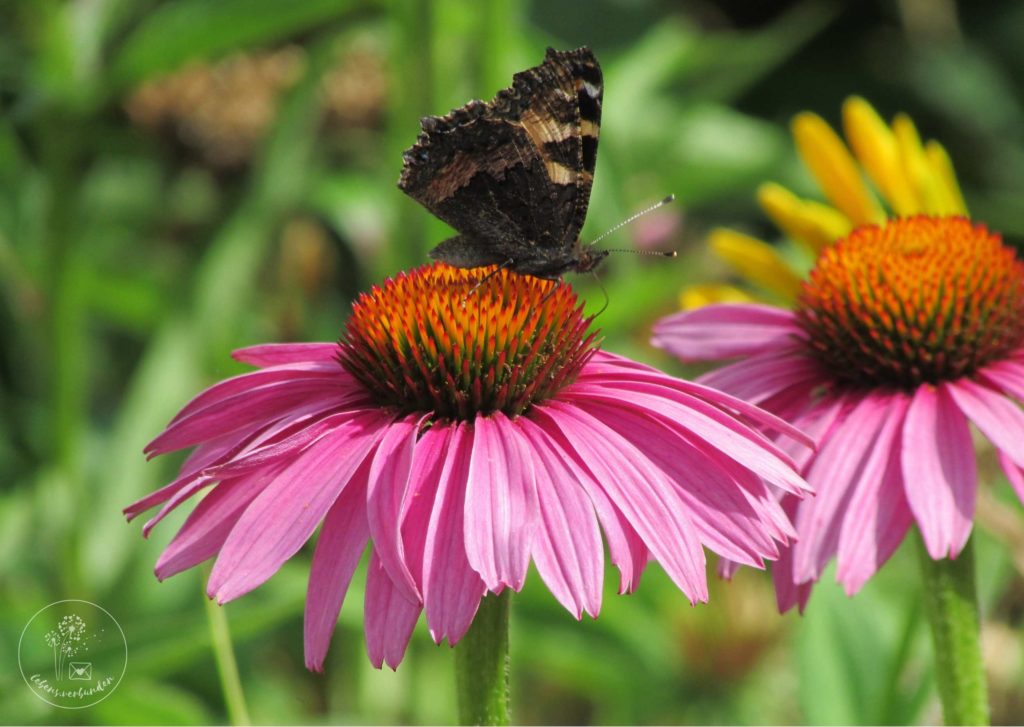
513	176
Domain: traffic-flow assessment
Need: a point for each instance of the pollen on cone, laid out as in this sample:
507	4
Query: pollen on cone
462	342
920	299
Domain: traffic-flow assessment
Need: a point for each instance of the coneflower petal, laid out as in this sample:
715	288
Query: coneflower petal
390	474
246	410
640	491
878	516
279	354
207	527
1013	474
428	463
724	331
567	543
998	418
328	372
763	376
451	588
287	512
338	551
722	516
501	504
388	616
625	547
847	457
939	471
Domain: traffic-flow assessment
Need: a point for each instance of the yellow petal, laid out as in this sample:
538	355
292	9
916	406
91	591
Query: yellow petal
942	167
697	296
930	189
811	223
756	261
877	150
835	169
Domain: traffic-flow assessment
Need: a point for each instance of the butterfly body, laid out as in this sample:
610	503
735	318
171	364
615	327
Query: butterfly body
513	176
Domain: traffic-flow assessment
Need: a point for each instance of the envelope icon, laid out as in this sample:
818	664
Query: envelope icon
81	670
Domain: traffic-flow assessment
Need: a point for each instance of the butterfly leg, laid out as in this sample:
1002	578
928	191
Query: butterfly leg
487	277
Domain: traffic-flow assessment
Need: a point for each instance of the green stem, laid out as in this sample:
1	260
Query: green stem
227	668
951	603
481	665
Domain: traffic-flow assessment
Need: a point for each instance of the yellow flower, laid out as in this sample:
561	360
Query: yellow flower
882	171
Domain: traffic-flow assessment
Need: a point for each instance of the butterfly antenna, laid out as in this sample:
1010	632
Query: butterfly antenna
630	219
604	291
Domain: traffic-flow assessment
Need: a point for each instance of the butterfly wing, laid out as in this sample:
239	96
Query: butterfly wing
517	172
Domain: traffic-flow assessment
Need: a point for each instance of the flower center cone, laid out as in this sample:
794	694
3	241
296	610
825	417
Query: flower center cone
456	342
916	300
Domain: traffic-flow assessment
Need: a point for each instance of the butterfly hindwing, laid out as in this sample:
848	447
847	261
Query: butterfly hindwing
513	176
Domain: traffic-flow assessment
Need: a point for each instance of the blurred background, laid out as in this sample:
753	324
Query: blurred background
181	178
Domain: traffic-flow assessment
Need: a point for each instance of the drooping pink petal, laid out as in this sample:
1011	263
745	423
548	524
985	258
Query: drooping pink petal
261	449
639	489
451	588
339	548
278	354
330	376
567	545
752	489
815	417
601	356
285	514
1013	474
788	593
998	418
702	421
249	409
724	519
389	479
626	549
166	493
939	470
207	527
501	503
428	461
726	330
726	569
215	450
599	374
758	378
388	617
878	516
1007	375
205	454
840	464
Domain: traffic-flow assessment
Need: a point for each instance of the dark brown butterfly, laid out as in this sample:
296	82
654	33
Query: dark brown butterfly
513	176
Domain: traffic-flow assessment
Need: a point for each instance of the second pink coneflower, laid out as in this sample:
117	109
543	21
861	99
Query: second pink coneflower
903	334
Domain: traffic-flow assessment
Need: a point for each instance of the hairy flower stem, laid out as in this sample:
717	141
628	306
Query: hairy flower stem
481	664
951	603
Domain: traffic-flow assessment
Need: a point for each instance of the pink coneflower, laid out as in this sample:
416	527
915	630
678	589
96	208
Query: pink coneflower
903	334
464	431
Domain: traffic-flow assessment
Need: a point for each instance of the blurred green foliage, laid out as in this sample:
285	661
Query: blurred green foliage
181	178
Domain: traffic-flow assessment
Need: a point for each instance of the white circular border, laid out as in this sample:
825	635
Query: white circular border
124	641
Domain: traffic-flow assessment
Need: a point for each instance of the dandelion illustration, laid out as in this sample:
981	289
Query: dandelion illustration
466	424
65	641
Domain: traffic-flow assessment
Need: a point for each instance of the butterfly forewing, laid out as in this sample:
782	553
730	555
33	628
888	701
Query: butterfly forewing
513	176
